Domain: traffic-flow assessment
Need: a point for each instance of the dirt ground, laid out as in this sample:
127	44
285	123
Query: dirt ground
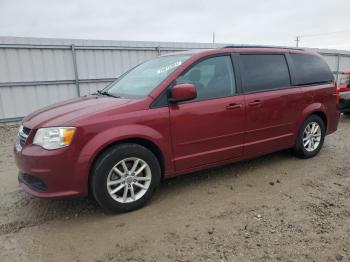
273	208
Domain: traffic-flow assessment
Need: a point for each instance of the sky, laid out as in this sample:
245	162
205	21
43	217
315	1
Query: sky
319	23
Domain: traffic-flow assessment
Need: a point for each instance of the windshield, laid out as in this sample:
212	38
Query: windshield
141	80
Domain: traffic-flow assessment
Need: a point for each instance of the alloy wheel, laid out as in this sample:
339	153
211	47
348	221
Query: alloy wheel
312	136
129	180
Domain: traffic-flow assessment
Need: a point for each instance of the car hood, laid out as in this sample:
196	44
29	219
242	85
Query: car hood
64	113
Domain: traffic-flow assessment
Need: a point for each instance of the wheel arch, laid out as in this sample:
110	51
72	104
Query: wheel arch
323	116
299	149
147	143
314	109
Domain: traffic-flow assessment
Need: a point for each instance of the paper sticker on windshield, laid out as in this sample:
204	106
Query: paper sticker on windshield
168	67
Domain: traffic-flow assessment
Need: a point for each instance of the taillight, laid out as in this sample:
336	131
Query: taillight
337	95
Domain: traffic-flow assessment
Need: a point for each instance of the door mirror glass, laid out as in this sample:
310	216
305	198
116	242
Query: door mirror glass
182	92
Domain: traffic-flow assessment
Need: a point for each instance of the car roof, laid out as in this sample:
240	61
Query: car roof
243	49
262	46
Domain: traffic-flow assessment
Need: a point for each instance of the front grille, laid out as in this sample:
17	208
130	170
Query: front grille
26	130
32	182
23	135
22	140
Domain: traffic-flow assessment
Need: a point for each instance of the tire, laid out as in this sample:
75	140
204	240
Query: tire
109	175
303	149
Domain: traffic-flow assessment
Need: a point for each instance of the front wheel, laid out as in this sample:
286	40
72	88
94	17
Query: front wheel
125	177
310	138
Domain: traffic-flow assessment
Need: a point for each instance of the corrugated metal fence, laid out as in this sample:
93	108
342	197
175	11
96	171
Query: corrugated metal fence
36	72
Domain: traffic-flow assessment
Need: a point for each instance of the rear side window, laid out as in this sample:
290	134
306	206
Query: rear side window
264	72
311	69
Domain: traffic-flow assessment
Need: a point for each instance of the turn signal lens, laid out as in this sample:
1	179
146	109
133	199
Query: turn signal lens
67	135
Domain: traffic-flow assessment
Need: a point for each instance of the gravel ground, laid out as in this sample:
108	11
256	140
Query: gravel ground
273	208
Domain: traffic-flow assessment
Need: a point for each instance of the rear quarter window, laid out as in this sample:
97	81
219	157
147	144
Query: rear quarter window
310	69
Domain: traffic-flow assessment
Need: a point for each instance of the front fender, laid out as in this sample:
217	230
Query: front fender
103	139
115	134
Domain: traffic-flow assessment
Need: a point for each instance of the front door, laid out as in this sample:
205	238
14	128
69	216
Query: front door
210	128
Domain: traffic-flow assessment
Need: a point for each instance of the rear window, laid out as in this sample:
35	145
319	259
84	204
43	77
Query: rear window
264	72
311	69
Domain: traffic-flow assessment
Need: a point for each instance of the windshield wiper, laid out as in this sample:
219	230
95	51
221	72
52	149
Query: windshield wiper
105	93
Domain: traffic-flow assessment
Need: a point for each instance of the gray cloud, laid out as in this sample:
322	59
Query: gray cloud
274	22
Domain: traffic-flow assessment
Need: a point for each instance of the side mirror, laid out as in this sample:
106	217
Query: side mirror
182	92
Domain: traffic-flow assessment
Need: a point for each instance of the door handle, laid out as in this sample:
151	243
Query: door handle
255	103
233	106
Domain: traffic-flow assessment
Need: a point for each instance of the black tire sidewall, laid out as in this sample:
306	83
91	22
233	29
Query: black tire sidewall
300	149
107	161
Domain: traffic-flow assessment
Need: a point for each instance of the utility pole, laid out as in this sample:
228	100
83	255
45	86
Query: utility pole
297	40
213	38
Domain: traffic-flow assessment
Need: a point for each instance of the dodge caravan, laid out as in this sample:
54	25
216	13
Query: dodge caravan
176	114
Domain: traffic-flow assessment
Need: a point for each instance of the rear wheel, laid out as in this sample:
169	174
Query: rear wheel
125	177
311	137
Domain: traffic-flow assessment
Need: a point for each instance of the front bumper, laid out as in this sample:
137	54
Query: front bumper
34	183
51	174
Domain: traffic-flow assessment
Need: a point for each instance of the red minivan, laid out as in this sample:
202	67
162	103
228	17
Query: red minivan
176	114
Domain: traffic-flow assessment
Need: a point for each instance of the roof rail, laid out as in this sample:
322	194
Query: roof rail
261	46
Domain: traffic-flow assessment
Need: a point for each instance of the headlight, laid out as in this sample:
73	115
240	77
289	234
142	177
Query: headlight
54	137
